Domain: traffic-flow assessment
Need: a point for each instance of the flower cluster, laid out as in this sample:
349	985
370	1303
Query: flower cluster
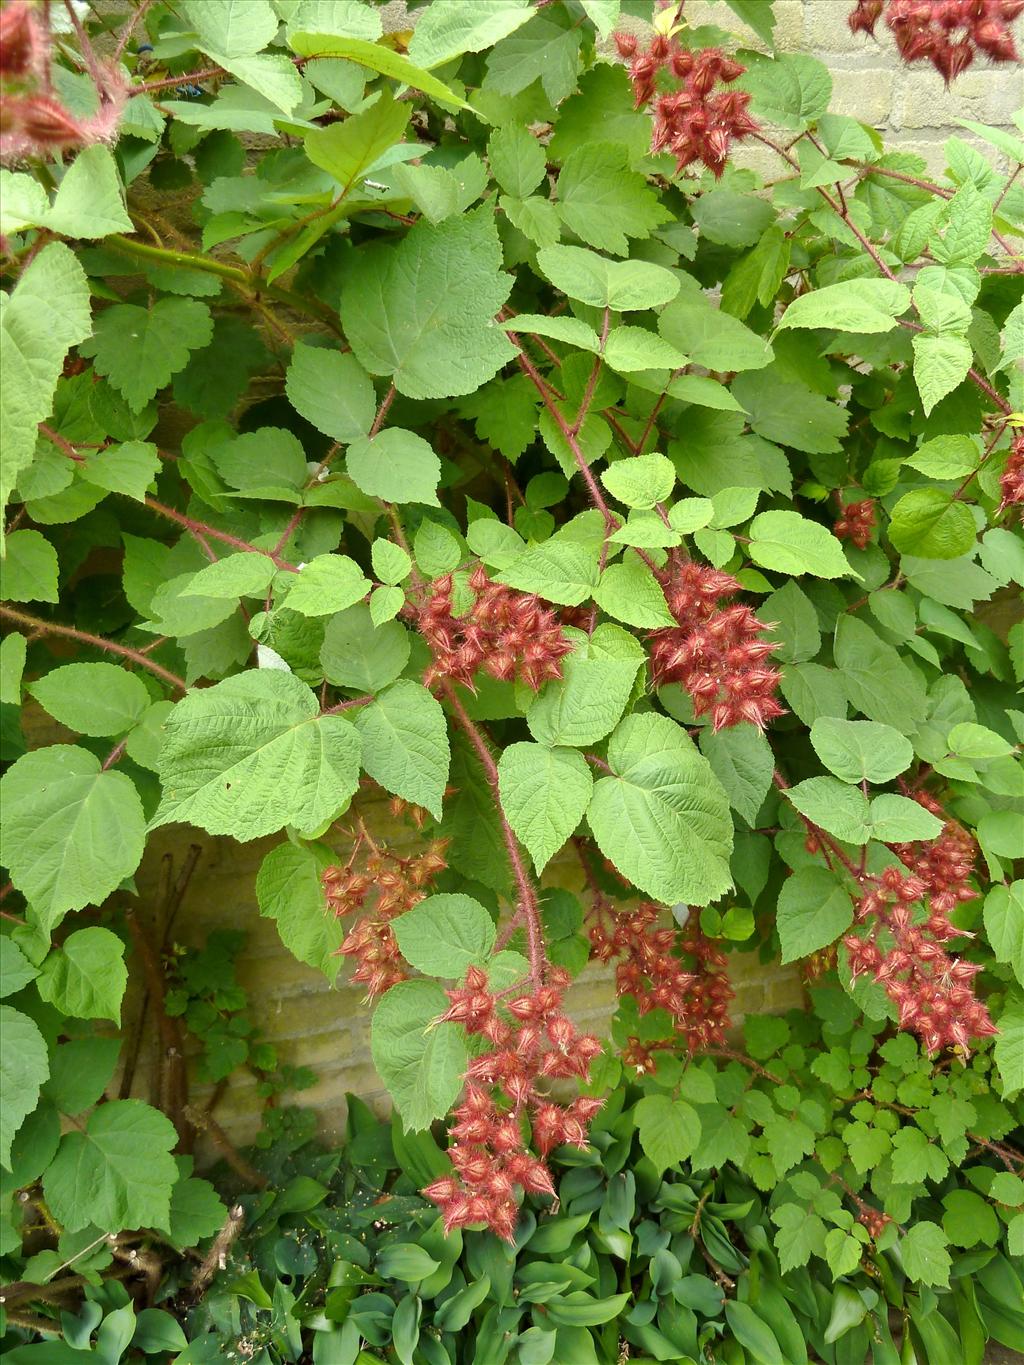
691	121
33	122
931	990
856	522
652	972
529	1041
508	634
716	652
947	33
1011	482
399	884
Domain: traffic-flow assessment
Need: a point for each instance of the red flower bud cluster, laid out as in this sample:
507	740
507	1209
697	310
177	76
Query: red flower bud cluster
856	522
874	1220
530	1040
32	121
508	634
716	652
399	884
1011	481
690	121
932	991
947	33
697	997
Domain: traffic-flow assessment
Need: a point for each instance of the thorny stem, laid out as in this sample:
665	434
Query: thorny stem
527	909
36	623
200	528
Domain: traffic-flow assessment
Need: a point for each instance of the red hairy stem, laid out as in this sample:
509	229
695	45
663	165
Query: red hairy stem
201	528
527	905
35	623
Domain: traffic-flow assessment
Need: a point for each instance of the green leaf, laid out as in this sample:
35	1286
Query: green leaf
517	159
932	525
559	570
876	679
88	201
789	543
968	225
406	1261
327	584
72	833
712	338
445	935
405	744
924	1253
603	202
626	286
544	794
395	465
790	415
662	817
196	1212
940	365
914	1158
852	306
753	1333
421	1063
537	219
390	562
129	468
13	649
80	1071
861	750
139	349
94	699
588	702
331	390
790	90
86	976
968	1220
252	754
572	331
946	457
24	1067
896	819
867	1146
641	481
630	592
742	760
29	568
267	457
289	891
837	808
1004	925
669	1130
547	48
422	312
247	574
447	28
115	1174
634	348
348	149
15	969
1009	1047
46	313
236	28
800	1236
356	653
813	911
377	58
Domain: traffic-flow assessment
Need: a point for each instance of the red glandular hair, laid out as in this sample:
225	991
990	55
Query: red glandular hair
1011	482
692	120
508	634
529	1041
32	121
399	884
696	994
932	991
856	522
717	651
947	33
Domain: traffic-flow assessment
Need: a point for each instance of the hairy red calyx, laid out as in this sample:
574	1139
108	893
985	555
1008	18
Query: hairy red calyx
696	993
947	33
530	1042
905	951
1011	481
698	119
506	633
717	652
856	522
398	884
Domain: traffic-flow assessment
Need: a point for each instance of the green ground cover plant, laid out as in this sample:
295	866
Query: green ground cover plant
554	417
